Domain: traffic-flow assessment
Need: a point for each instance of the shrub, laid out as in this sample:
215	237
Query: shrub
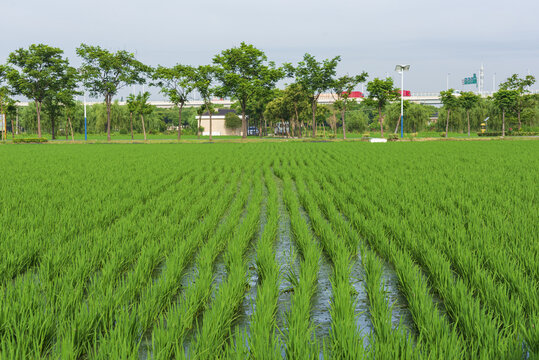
232	121
392	137
30	141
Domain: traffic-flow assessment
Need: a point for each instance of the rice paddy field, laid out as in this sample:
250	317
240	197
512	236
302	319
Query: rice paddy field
418	250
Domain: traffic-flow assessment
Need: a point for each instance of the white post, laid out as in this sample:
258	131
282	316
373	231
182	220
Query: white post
402	103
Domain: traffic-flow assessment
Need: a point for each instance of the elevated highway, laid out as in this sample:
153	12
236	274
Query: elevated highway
329	98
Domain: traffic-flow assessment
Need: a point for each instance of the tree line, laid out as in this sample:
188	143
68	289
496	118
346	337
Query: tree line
42	74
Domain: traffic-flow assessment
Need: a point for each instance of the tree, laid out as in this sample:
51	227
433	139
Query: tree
505	100
296	95
104	73
40	73
202	83
279	110
520	85
243	71
468	100
232	121
56	101
381	93
451	103
342	87
131	103
143	108
315	77
176	83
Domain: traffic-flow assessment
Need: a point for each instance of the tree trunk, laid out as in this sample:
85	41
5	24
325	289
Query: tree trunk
143	127
314	104
211	125
260	127
519	122
397	127
71	128
297	119
38	109
17	122
468	115
66	126
199	125
108	101
503	123
180	122
243	122
52	127
447	123
343	113
265	126
12	131
131	123
381	121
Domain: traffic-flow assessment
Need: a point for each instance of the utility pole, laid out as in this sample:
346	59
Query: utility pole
85	121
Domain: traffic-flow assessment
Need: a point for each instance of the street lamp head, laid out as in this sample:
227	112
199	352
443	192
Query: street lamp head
400	68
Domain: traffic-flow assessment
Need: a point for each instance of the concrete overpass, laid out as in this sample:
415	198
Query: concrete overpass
329	98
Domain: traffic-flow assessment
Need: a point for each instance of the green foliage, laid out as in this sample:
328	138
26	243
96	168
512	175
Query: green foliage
232	121
29	140
162	264
243	73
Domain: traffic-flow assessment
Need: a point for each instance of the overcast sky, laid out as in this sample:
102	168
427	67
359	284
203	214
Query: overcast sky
436	37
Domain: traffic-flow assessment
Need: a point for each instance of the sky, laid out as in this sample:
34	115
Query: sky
435	37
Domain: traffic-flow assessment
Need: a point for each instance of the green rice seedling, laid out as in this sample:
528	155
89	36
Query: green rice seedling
181	318
263	340
217	321
301	341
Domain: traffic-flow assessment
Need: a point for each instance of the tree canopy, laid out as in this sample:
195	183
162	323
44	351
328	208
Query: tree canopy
242	72
103	72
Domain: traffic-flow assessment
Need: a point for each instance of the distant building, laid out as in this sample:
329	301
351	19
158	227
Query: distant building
218	123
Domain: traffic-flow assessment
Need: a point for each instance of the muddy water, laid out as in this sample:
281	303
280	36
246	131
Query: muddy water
363	322
396	299
287	256
321	303
249	301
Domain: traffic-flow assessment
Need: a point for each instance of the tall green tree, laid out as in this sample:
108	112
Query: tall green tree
242	72
315	77
176	84
521	86
143	107
381	93
505	100
296	95
131	103
468	100
451	103
203	80
56	101
343	87
104	73
37	73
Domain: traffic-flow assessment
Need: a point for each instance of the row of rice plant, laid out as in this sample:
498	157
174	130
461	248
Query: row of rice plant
175	325
217	321
301	339
345	339
264	342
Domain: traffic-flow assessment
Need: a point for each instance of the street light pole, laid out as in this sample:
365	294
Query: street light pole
401	69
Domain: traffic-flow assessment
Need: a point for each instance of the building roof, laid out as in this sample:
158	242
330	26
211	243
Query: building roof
220	112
